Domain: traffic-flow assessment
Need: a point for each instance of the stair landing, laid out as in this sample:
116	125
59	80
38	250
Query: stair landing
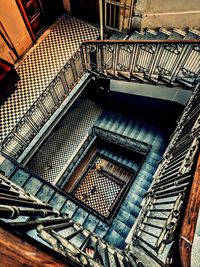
40	66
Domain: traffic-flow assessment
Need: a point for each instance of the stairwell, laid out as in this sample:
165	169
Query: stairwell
132	126
80	229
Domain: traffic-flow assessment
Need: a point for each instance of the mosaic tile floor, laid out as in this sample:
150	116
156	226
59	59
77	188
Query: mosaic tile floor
99	190
40	66
64	140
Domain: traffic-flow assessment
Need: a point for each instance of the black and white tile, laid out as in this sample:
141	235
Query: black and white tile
40	66
97	191
65	139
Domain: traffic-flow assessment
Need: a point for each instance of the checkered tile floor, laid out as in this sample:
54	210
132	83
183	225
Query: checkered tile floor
64	140
41	65
98	191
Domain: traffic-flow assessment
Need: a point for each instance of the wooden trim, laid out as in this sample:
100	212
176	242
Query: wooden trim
25	18
15	251
190	220
141	42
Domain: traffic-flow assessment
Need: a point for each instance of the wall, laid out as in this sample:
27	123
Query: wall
167	14
13	23
156	100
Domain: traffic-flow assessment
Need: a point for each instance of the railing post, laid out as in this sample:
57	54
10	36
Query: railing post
101	18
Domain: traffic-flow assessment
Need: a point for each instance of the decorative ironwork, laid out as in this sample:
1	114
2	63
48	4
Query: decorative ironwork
157	222
174	61
131	144
43	108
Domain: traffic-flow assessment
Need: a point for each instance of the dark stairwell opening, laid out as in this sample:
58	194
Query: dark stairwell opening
93	133
102	179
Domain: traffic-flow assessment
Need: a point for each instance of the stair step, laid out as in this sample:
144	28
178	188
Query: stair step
78	240
138	76
67	232
33	185
129	127
177	35
163	34
45	193
69	208
20	176
115	239
137	35
80	216
121	227
192	35
133	208
125	74
57	201
101	229
184	83
7	166
136	130
91	223
150	34
124	218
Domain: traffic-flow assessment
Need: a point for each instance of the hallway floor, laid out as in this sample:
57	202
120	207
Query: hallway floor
41	64
59	147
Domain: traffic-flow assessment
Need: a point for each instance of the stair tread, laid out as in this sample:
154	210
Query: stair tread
101	229
45	193
20	177
91	223
33	185
80	216
57	201
69	208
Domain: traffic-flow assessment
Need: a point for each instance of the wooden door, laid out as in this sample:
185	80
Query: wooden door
39	14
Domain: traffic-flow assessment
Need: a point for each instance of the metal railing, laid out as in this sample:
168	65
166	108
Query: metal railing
139	147
44	107
15	202
150	61
162	209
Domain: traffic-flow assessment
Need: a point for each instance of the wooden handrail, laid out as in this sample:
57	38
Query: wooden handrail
141	41
190	219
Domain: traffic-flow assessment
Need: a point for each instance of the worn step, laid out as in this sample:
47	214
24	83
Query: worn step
91	223
115	239
150	34
177	35
80	216
192	34
137	35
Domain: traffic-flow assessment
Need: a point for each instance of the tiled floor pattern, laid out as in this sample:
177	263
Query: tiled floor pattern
63	141
41	65
97	191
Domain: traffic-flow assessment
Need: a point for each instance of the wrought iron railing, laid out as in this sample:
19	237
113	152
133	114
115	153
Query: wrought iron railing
150	61
122	141
15	202
29	216
44	107
157	223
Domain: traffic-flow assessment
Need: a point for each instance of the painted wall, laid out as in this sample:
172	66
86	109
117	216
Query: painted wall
11	19
168	14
